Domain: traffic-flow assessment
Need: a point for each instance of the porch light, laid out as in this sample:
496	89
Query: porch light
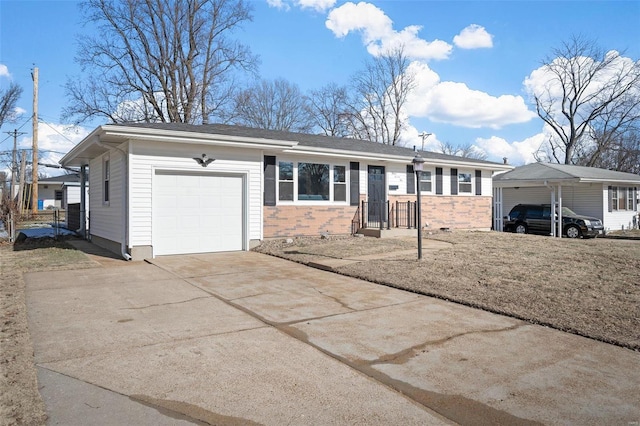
418	162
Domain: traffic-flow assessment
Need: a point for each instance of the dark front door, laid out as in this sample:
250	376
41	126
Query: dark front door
376	195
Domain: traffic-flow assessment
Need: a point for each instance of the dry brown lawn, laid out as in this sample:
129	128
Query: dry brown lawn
586	287
20	401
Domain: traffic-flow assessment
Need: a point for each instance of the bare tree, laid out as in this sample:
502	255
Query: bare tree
273	105
622	153
330	110
381	91
8	100
158	60
464	151
589	97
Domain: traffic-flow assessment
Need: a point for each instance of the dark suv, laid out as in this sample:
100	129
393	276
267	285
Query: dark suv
536	219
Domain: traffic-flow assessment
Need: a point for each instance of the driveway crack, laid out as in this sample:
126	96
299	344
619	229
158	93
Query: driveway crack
167	304
406	354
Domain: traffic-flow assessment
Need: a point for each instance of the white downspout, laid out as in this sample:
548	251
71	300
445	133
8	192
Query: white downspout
125	198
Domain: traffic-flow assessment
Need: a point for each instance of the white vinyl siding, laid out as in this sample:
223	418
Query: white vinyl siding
107	220
616	219
147	157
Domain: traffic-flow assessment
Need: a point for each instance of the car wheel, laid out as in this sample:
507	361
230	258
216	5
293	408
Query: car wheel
573	231
521	228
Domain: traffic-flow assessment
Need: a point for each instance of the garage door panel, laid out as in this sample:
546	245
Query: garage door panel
197	213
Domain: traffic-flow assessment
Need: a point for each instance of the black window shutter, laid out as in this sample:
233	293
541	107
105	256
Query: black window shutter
411	180
478	182
438	180
354	183
269	180
635	199
610	199
454	181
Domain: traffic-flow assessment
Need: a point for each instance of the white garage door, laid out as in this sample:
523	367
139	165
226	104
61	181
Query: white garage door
197	213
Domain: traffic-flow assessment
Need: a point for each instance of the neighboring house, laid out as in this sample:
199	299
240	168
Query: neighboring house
605	194
58	191
153	192
64	193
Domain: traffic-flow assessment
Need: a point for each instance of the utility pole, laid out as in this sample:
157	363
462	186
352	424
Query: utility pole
23	170
34	164
14	162
424	135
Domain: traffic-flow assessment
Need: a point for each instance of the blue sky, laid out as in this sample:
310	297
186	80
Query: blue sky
471	58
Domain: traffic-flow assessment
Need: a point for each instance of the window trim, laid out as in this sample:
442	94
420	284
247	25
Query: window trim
621	199
331	197
424	181
460	183
106	180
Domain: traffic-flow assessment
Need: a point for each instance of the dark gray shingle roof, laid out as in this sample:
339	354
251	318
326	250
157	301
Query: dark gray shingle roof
303	139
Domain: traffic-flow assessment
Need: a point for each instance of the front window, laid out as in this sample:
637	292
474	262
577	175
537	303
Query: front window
313	181
621	198
464	183
425	181
339	183
285	181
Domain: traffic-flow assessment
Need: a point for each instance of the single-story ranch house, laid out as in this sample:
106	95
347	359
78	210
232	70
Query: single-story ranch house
608	195
159	189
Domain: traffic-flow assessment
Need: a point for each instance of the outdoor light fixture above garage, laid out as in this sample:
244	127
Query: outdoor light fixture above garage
204	161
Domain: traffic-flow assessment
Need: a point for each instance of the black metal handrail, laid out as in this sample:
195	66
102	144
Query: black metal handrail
387	215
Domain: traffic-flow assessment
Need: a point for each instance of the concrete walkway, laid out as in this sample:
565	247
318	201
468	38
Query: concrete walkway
244	338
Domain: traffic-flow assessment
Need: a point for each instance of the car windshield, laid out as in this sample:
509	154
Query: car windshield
566	211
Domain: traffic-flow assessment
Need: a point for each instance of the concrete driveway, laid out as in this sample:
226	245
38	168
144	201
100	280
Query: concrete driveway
244	338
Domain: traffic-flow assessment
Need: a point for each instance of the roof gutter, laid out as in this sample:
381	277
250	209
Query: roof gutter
404	159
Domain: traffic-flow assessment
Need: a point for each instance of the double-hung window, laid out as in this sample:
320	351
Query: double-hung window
106	166
622	198
464	183
339	183
425	181
285	181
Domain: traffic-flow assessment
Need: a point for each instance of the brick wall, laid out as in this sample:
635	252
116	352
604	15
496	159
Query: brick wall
291	221
454	212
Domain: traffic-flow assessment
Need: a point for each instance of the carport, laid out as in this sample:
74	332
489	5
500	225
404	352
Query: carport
609	195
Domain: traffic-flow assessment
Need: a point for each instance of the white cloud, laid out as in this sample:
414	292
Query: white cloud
318	5
455	103
517	153
378	34
4	71
278	4
54	141
473	37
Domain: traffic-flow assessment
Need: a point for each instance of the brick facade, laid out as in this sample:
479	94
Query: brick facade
291	221
454	212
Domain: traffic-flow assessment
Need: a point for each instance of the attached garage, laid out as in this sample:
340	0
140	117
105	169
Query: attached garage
197	212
